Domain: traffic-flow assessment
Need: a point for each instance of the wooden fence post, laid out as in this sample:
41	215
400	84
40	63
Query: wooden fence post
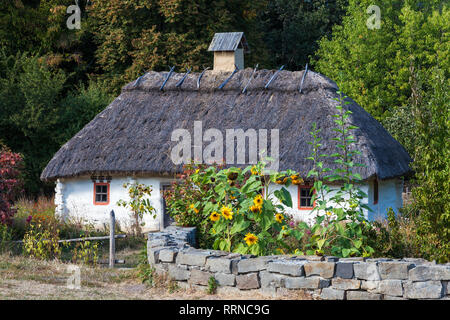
112	240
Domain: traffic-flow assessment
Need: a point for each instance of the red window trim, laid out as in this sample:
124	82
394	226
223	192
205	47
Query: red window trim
107	196
305	186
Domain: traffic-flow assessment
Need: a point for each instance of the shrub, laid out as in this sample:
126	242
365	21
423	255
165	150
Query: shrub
212	285
5	238
339	222
139	204
395	237
41	242
183	200
10	183
234	208
85	252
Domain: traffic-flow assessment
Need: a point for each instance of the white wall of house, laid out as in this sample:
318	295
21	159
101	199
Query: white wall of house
389	196
75	199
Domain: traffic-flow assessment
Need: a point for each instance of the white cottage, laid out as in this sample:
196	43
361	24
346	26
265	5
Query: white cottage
136	137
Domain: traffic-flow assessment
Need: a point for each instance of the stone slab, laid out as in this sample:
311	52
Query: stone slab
289	267
346	284
366	271
323	269
332	294
247	281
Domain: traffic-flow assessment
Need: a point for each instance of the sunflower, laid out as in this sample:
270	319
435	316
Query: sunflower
297	181
279	217
191	206
227	213
258	200
251	239
214	216
255	209
254	170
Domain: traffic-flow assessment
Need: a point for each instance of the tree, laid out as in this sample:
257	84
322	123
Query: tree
10	183
38	113
431	196
372	65
292	28
136	36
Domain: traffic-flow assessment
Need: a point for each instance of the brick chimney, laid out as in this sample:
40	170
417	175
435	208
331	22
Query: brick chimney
229	49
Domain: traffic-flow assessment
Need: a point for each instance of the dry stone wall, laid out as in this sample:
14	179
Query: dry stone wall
173	252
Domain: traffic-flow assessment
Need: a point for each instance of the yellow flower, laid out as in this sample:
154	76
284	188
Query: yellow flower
227	213
196	210
280	250
329	213
279	217
191	206
255	209
214	216
297	181
283	228
258	200
197	171
250	239
254	170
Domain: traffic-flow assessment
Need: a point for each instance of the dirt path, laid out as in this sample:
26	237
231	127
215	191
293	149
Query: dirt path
25	278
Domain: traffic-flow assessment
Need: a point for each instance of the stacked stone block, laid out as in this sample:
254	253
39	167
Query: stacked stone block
331	278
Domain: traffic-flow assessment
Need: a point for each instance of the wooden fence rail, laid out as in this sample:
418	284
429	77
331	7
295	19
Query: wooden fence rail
112	241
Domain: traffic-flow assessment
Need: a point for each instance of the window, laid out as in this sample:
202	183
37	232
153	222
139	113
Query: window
101	193
304	198
375	191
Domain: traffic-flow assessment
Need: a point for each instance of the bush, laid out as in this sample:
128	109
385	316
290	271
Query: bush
139	204
10	183
182	199
339	222
41	242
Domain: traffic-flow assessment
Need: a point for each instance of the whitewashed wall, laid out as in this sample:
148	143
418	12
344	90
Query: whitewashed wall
389	196
74	199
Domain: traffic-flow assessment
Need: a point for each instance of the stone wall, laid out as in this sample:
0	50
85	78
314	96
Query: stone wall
172	252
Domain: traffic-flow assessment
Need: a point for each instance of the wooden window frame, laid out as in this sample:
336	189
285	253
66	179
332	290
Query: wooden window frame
98	203
300	187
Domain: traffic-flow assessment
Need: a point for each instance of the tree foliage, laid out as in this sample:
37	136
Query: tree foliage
373	65
10	183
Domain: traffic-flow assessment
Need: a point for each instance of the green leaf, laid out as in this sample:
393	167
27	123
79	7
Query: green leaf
345	252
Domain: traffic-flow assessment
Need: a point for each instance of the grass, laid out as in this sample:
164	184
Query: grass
32	279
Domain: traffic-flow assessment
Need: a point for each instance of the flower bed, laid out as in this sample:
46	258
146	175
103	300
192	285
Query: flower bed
325	277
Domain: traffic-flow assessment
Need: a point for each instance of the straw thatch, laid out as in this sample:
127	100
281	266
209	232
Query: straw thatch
133	134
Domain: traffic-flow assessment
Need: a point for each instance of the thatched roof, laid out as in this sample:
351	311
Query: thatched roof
133	134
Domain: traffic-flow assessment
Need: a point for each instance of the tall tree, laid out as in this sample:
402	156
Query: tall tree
293	28
373	65
140	35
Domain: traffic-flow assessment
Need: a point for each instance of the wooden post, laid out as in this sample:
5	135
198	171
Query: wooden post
112	240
